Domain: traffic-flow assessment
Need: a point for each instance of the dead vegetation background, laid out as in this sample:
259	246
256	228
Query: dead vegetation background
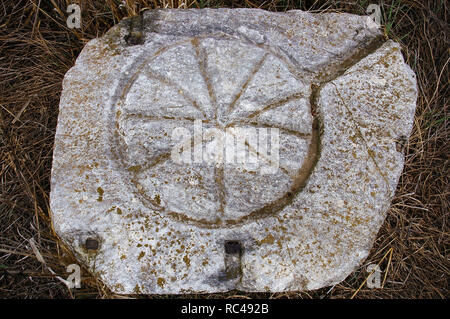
36	50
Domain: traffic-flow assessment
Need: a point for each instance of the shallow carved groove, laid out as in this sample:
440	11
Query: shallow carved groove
244	85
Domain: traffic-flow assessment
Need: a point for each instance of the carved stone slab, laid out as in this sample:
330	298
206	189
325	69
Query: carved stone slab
218	149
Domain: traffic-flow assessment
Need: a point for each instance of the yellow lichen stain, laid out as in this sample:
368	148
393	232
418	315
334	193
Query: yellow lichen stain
268	240
157	199
371	153
100	194
187	261
134	169
137	290
111	209
142	254
161	282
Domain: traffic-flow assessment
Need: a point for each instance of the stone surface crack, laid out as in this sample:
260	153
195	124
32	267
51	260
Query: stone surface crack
355	123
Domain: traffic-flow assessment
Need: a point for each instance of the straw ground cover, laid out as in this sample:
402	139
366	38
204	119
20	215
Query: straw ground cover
37	48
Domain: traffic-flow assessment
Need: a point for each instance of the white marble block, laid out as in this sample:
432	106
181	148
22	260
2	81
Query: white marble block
218	149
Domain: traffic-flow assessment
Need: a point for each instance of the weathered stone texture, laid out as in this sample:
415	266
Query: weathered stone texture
338	95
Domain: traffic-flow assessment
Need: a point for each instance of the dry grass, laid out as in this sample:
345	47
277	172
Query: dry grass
36	49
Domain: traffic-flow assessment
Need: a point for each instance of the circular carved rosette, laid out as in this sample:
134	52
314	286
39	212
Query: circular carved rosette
239	118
